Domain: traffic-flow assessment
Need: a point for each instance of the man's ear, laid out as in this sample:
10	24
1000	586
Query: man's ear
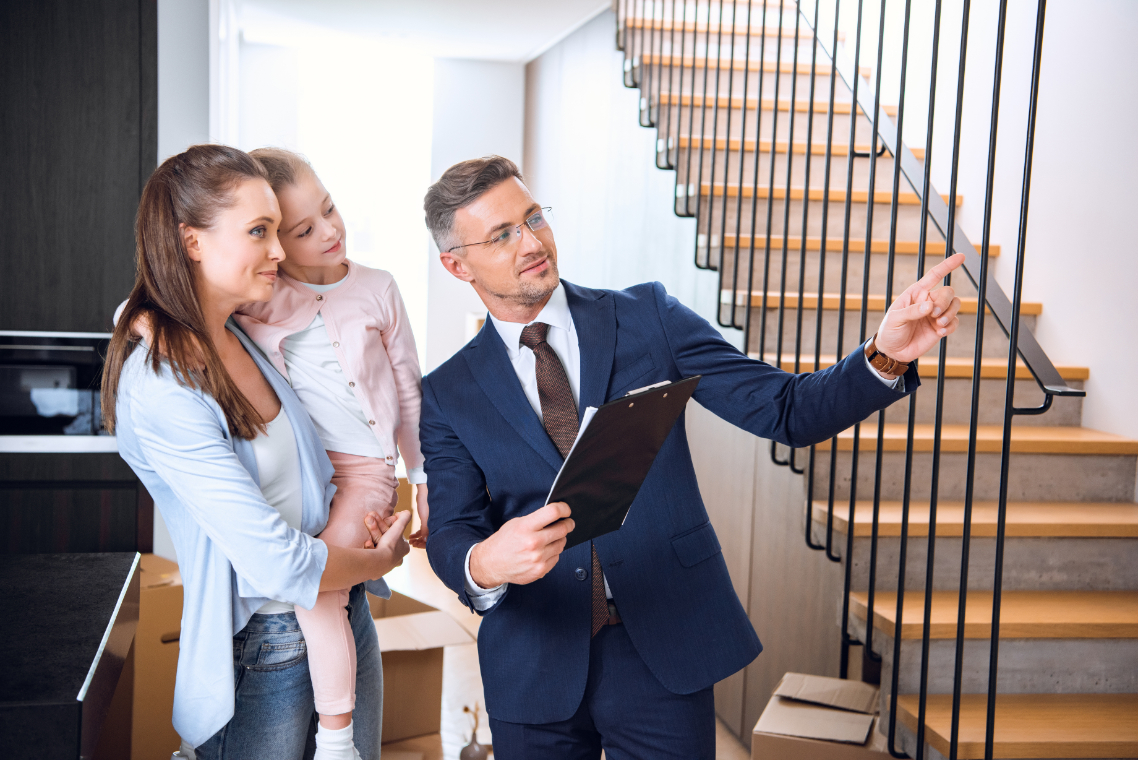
456	266
190	242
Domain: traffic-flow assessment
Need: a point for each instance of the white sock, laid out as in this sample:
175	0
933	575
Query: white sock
335	744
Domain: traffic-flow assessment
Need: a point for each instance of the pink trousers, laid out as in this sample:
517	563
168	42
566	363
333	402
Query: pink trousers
363	484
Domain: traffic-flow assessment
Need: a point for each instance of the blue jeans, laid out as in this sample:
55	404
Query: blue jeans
274	716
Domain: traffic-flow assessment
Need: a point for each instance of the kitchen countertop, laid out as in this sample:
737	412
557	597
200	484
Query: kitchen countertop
68	624
58	444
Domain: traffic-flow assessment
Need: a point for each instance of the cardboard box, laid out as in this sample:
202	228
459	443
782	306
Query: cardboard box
817	718
411	639
156	659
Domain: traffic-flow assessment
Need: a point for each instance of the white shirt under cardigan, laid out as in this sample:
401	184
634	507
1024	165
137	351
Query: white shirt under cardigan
318	379
562	338
278	469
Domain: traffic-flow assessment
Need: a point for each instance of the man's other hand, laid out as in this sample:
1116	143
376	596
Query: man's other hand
524	549
921	315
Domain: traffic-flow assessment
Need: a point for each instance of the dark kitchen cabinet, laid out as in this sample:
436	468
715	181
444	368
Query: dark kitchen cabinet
78	138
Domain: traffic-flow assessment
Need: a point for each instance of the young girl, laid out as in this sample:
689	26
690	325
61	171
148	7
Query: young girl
339	332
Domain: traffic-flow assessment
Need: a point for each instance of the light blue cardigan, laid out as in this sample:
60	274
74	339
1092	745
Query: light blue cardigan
234	550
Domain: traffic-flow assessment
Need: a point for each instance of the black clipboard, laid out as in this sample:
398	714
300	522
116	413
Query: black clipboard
612	455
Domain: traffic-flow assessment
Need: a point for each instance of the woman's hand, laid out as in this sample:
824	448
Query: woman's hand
347	567
418	539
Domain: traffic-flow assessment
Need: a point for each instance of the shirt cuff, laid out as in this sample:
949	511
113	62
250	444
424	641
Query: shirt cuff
897	383
416	476
482	599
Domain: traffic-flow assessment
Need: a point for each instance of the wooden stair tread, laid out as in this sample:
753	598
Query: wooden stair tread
799	147
1024	440
738	64
1031	725
739	28
814	243
954	366
1023	614
841	107
831	301
733	190
1025	519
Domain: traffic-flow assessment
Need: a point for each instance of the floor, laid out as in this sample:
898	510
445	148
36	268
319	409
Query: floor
462	683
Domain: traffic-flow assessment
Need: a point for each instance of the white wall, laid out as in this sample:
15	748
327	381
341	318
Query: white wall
478	110
587	157
183	113
1082	185
183	75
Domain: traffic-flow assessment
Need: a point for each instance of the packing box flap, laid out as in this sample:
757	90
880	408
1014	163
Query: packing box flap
419	631
788	717
829	692
158	571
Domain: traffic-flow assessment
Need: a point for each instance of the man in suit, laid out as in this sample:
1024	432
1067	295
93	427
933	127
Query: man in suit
614	643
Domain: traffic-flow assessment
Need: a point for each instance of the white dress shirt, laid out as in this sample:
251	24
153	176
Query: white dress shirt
562	338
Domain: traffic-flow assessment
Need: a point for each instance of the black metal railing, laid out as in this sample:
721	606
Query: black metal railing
681	87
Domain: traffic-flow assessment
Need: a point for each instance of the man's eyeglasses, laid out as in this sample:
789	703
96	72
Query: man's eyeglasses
508	237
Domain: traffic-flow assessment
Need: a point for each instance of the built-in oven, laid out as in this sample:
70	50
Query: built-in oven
49	382
63	486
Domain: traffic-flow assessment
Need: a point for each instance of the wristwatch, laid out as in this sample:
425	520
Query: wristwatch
881	362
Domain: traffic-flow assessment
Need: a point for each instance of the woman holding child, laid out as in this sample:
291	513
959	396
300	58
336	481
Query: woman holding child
267	530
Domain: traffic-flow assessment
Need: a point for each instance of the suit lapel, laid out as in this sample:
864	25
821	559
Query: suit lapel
491	367
594	319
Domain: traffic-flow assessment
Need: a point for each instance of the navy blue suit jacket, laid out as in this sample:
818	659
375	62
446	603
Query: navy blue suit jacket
488	460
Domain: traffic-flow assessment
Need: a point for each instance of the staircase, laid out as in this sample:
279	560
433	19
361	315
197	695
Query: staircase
794	196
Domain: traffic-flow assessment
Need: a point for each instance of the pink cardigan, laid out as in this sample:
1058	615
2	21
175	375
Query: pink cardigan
367	323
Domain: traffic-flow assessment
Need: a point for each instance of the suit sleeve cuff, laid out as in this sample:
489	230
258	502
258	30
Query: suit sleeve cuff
897	383
482	599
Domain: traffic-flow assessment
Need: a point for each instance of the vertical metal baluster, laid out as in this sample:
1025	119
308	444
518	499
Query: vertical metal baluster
631	62
854	454
654	61
1009	394
868	643
698	182
894	207
710	213
982	288
821	271
771	188
681	180
939	415
742	164
802	257
664	112
786	213
747	306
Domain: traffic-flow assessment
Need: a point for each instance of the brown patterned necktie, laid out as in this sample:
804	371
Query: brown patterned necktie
559	416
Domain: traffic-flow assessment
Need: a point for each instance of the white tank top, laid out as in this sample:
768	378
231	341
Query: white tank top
278	467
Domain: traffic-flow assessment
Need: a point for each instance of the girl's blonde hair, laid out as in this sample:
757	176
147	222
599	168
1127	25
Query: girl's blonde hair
283	166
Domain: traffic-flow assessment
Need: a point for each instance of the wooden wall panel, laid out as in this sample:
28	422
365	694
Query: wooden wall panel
78	133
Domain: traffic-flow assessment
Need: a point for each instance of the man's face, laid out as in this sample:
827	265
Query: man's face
520	272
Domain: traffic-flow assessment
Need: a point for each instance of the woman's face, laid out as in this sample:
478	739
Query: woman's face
237	257
312	230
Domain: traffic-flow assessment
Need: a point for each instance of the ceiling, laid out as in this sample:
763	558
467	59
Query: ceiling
498	30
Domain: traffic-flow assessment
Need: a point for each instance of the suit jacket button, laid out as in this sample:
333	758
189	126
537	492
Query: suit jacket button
581	574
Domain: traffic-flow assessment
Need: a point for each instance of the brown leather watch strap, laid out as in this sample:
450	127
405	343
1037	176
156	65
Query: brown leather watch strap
881	362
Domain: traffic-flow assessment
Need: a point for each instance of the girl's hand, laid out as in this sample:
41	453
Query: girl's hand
418	539
377	526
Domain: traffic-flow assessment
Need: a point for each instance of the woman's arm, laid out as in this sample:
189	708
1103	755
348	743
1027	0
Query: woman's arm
347	567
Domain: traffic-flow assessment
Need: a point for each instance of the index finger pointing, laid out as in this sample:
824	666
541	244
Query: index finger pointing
941	270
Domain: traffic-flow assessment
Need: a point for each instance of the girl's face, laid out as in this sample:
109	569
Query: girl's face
312	230
237	256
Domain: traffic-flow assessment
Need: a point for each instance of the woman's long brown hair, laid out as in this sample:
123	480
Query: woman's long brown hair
190	188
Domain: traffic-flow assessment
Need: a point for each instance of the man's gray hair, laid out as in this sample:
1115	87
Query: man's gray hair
461	185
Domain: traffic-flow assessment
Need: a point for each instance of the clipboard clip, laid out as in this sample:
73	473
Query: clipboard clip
660	384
